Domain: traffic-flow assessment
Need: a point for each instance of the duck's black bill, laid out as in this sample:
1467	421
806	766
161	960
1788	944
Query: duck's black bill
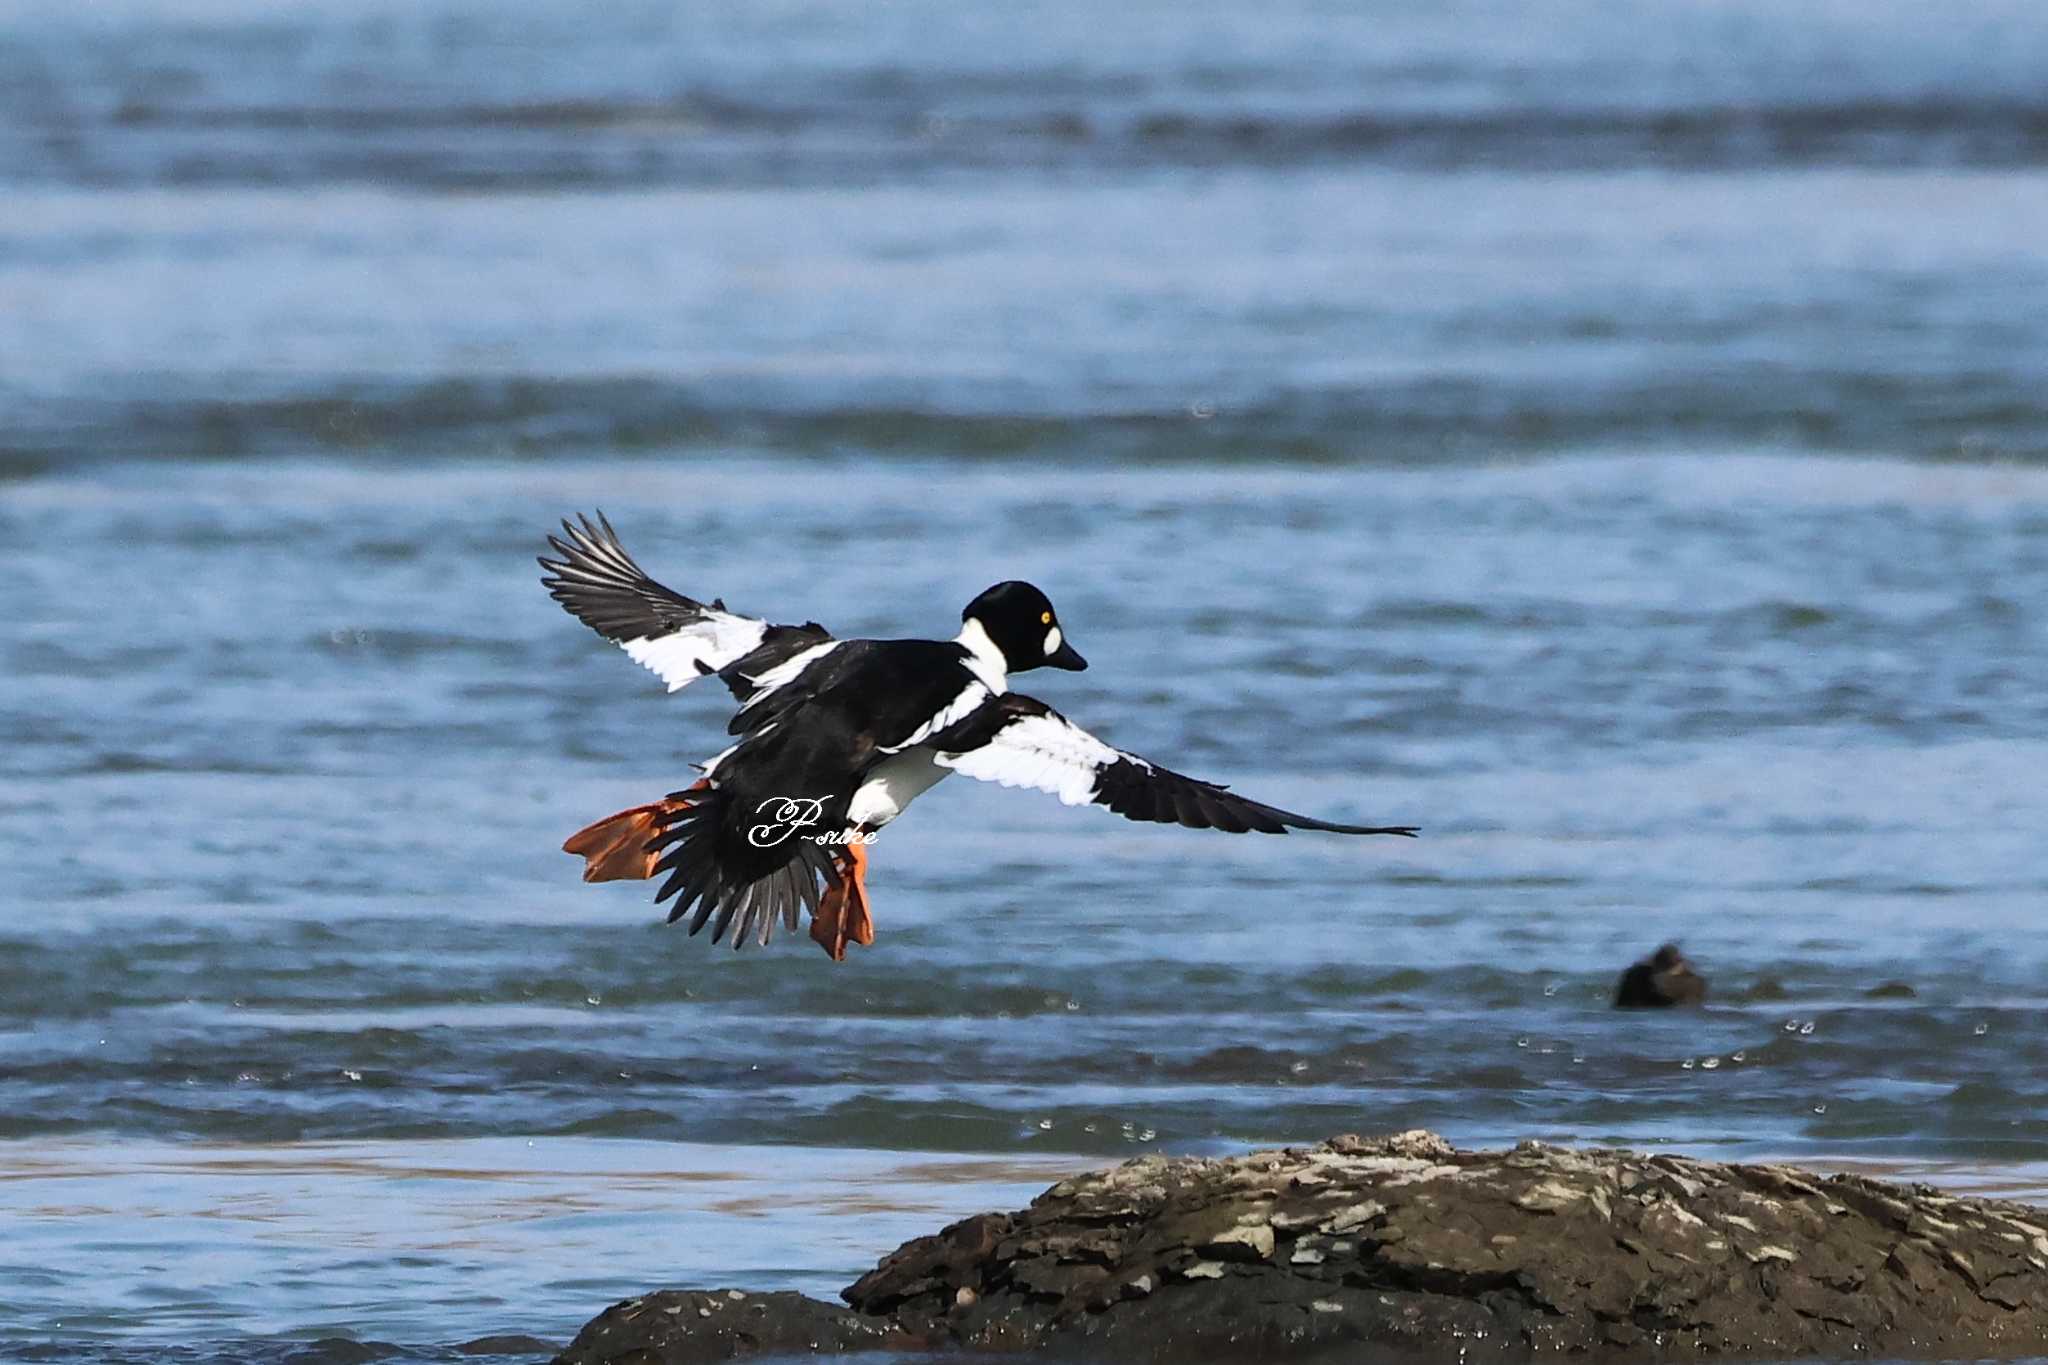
1067	657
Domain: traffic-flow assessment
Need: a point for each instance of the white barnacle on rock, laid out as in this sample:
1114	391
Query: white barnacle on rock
1356	1216
1434	1173
1687	1186
1257	1238
1551	1196
1683	1216
2038	1234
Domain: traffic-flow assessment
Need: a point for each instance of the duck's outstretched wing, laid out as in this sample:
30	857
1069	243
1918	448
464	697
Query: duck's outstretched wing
677	637
1019	741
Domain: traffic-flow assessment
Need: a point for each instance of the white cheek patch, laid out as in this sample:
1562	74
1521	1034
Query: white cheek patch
1052	642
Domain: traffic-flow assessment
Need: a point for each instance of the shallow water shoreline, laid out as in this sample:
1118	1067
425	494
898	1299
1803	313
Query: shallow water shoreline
517	1236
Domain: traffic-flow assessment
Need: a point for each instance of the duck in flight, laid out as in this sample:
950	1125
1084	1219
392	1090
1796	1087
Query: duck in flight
834	738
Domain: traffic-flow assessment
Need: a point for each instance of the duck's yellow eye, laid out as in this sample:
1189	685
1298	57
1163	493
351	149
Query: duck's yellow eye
1045	618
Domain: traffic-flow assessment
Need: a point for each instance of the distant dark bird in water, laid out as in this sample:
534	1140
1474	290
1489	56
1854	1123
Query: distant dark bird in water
836	737
1659	982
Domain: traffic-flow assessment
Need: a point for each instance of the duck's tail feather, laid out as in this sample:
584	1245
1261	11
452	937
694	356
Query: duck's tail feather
712	886
619	847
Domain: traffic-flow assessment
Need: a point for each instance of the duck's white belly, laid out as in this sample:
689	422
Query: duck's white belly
896	782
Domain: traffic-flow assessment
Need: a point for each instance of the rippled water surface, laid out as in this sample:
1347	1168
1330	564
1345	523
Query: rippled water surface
1617	446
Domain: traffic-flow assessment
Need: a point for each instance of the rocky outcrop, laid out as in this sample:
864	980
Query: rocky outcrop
1404	1242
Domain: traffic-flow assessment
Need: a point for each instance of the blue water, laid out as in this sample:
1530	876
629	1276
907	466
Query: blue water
1614	443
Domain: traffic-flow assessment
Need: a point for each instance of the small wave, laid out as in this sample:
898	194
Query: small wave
1887	132
875	130
126	762
401	645
665	116
1420	423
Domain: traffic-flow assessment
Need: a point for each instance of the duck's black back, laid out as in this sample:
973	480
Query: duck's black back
814	740
877	690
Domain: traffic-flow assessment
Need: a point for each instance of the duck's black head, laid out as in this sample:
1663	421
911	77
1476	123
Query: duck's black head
1669	959
1019	621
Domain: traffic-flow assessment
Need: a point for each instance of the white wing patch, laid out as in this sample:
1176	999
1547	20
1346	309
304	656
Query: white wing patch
702	647
1048	753
786	672
970	699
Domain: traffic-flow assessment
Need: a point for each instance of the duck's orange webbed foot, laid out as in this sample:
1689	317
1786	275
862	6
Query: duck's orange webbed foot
843	916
